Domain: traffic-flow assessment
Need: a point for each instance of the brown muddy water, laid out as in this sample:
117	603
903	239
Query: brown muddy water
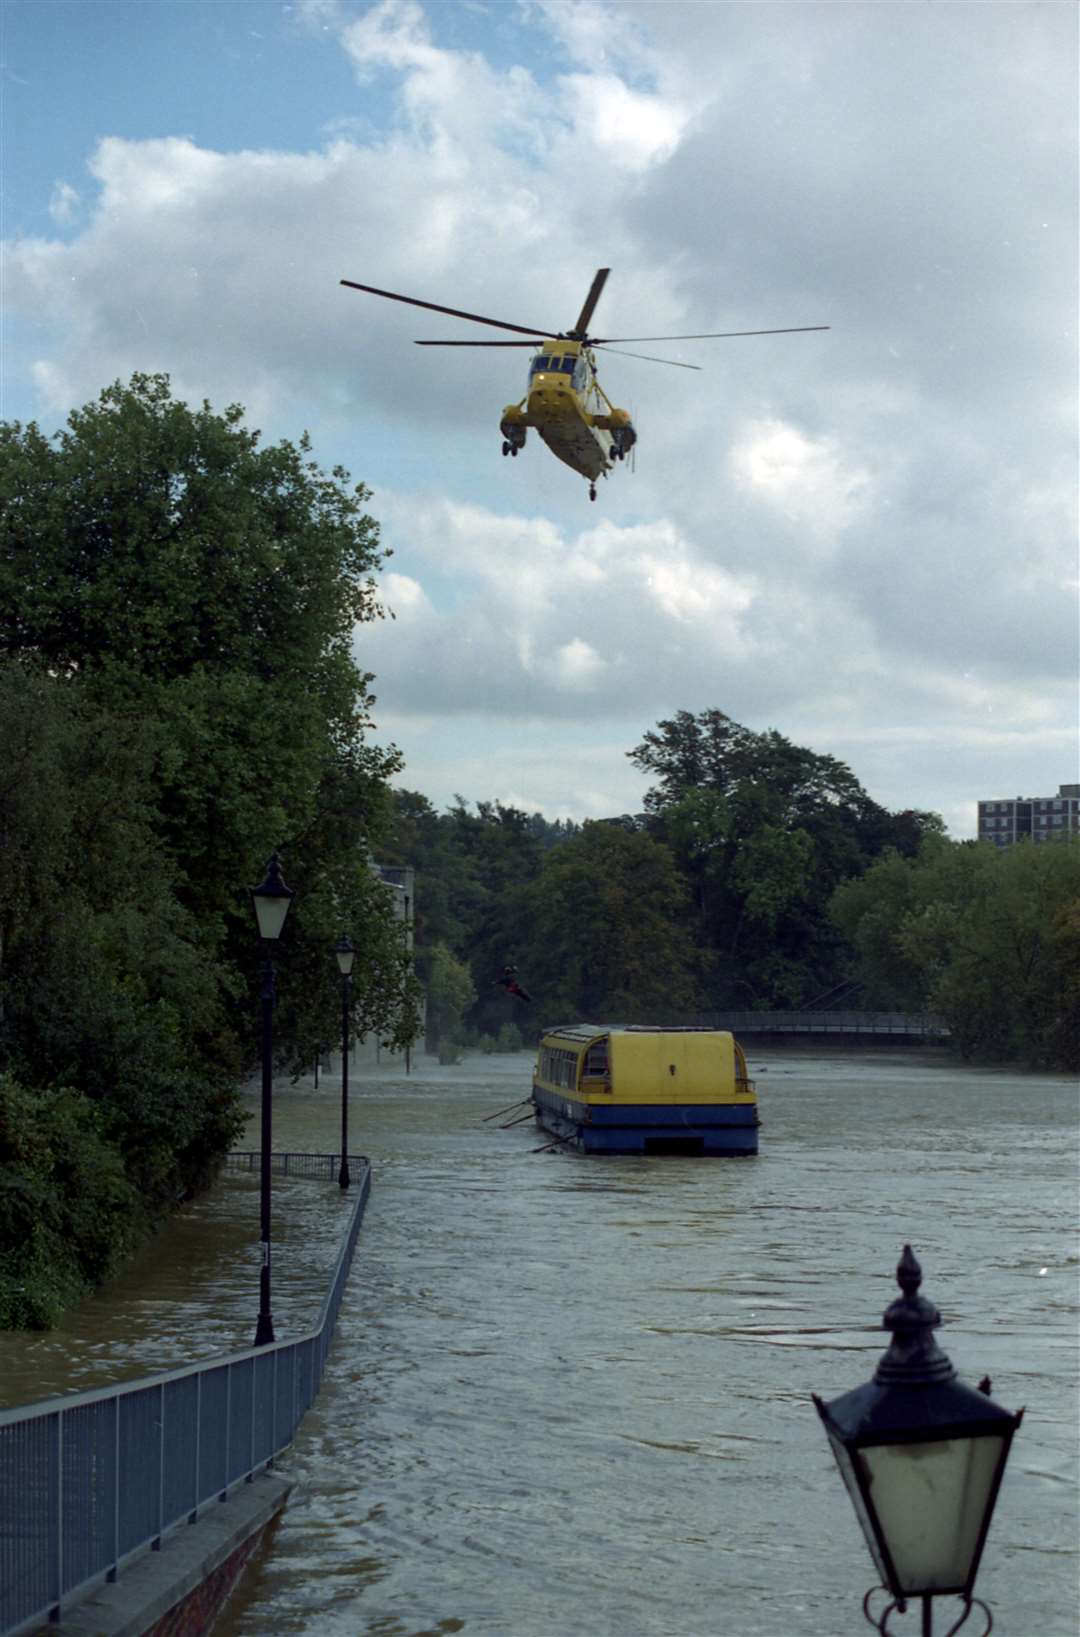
570	1397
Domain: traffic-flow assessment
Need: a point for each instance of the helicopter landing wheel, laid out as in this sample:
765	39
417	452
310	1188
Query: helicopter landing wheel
506	447
514	450
592	491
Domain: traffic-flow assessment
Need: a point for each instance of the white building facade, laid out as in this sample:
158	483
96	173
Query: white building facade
1031	818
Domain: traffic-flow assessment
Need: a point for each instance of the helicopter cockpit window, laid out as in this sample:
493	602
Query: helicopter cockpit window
540	364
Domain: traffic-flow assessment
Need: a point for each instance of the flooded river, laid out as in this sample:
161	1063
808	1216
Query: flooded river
571	1397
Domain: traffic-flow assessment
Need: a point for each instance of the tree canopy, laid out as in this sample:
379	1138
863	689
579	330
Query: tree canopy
988	937
717	896
179	697
764	831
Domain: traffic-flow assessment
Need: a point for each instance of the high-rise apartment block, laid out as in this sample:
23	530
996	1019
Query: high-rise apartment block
1031	818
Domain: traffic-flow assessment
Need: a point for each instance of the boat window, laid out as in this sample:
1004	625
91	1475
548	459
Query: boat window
596	1059
559	1067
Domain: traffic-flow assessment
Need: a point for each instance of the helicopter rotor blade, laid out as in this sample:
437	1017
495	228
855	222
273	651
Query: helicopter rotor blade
581	328
454	312
674	362
539	341
713	335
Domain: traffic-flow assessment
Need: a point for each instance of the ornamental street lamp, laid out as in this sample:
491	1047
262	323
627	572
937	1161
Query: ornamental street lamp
922	1457
345	953
271	902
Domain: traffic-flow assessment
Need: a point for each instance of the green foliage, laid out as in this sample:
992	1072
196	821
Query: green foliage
510	1039
868	910
68	1211
988	937
1064	1043
179	697
764	831
471	865
450	993
601	937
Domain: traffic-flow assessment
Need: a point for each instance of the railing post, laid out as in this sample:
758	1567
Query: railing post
251	1435
273	1414
228	1429
59	1588
155	1544
111	1575
194	1513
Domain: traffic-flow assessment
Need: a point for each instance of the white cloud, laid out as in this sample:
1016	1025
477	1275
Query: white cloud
64	204
808	481
403	594
632	130
577	664
543	614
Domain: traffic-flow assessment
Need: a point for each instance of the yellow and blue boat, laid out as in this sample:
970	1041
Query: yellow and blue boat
615	1089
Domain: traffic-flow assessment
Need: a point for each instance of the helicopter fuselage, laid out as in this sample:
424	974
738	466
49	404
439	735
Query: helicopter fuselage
567	407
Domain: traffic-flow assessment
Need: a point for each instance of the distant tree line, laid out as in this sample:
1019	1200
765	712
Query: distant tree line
178	699
759	875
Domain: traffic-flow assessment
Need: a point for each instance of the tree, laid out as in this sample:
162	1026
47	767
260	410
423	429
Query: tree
450	993
869	910
602	934
764	831
109	1111
179	697
209	589
986	937
471	863
1065	951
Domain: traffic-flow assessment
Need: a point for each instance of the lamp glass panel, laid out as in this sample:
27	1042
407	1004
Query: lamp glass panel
845	1462
930	1500
270	913
345	958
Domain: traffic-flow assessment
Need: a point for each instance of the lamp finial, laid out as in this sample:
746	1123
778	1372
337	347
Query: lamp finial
914	1357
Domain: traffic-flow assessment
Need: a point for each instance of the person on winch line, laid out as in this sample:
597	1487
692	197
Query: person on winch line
509	982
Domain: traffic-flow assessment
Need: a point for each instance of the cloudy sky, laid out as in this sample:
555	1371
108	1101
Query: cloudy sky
865	538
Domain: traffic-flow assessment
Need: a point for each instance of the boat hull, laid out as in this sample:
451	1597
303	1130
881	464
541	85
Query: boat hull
708	1129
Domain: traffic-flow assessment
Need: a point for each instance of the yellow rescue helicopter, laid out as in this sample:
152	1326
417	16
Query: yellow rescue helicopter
565	402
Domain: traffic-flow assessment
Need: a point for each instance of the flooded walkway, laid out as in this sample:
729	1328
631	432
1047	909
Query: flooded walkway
570	1397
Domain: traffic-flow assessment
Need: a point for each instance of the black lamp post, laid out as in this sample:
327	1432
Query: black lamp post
271	901
408	948
922	1457
345	957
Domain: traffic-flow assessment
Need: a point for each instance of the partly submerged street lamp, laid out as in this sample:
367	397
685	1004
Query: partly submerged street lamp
922	1457
271	901
345	953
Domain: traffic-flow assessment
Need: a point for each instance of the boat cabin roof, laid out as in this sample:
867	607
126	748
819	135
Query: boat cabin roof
581	1033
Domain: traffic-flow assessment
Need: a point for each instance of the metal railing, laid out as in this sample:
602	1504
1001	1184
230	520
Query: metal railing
91	1480
924	1025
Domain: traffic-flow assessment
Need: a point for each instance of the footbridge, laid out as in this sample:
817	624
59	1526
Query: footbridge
884	1026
